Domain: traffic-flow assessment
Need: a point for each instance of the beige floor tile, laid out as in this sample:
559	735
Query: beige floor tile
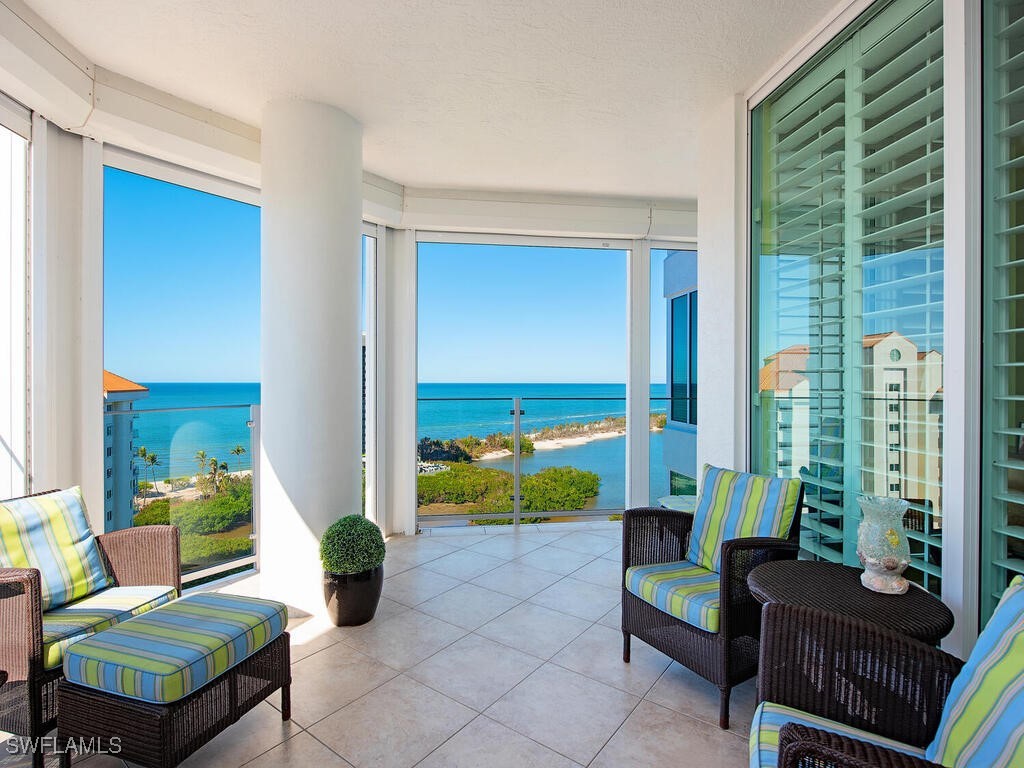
517	580
475	671
656	737
301	751
468	605
601	571
395	726
564	711
597	653
487	744
610	530
509	547
258	731
465	564
461	540
416	585
409	552
689	693
590	543
406	639
578	598
534	629
300	650
560	561
328	680
613	618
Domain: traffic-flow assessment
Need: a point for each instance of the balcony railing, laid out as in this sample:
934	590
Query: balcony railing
502	460
190	467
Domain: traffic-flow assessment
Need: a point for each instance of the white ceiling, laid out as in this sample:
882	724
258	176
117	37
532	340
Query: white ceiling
581	96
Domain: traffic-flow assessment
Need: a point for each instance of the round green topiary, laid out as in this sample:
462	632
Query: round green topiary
351	545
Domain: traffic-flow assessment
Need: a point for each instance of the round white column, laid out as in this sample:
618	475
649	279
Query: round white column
310	447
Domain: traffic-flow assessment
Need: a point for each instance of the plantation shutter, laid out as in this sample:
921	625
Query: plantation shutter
848	281
1003	414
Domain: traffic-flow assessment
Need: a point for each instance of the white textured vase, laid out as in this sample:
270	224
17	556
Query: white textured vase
882	544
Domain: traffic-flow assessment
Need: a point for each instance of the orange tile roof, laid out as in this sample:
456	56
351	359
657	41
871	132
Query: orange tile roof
114	383
872	339
773	377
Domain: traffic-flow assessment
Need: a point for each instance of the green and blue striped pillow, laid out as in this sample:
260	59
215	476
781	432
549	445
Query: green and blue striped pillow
739	505
51	533
982	725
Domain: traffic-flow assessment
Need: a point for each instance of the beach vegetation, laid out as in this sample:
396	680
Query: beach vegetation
486	490
144	487
237	451
471	448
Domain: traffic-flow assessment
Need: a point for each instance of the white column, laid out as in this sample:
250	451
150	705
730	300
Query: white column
398	313
638	381
722	345
310	451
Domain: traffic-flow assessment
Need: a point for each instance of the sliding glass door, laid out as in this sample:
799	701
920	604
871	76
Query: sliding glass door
847	275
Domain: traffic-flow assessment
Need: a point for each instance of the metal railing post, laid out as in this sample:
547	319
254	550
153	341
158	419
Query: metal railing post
516	461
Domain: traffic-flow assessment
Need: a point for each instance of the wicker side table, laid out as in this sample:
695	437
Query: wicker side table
837	588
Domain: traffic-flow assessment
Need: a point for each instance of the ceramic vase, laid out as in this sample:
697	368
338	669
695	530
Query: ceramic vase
882	544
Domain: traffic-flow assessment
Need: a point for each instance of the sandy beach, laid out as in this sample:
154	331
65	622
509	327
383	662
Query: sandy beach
561	442
189	493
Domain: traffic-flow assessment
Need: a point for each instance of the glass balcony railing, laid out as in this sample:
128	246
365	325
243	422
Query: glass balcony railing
189	467
570	464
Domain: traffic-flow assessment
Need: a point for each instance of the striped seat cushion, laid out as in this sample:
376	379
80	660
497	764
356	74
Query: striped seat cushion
769	719
174	650
51	533
982	723
738	505
95	613
680	589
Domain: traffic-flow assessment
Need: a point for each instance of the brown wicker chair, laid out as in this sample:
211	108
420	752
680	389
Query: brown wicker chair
855	673
727	657
143	556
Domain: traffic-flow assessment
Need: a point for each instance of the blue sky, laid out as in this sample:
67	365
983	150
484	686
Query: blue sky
181	280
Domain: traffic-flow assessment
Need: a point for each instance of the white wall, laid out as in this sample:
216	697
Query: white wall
67	315
721	286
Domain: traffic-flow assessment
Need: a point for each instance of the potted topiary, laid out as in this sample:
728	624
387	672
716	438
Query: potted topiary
352	551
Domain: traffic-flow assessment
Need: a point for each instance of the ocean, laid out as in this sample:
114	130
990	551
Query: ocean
445	411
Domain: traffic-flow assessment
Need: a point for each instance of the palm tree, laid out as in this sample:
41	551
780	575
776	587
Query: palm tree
238	450
201	461
216	469
143	455
152	460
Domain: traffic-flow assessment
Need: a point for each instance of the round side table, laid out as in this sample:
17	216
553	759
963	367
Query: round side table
837	588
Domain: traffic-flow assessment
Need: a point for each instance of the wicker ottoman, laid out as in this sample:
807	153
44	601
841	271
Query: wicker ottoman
155	688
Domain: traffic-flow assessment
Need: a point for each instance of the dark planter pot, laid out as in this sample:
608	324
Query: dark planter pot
352	597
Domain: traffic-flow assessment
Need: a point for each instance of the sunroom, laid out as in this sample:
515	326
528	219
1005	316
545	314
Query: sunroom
517	283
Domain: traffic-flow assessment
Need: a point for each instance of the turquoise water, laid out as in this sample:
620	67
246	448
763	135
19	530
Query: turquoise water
445	411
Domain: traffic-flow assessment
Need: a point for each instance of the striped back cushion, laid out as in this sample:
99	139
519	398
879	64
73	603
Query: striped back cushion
52	534
982	725
738	505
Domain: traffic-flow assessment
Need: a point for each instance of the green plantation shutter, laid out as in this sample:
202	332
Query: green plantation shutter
847	276
1003	411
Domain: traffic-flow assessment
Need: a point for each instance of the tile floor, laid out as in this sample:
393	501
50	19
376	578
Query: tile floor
489	649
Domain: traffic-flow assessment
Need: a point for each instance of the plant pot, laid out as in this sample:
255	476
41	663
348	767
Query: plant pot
352	597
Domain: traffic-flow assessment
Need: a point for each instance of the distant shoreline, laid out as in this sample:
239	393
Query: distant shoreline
555	444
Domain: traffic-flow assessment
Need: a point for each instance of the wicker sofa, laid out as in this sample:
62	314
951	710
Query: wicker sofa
137	557
728	655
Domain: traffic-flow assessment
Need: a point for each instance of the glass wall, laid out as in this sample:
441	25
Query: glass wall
684	358
527	335
181	353
13	313
847	280
1002	541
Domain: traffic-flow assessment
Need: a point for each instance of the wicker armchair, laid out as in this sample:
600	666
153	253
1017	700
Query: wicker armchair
854	673
142	556
727	657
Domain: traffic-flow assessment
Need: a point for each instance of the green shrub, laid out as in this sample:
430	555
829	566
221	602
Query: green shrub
200	551
351	545
558	488
157	512
489	490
